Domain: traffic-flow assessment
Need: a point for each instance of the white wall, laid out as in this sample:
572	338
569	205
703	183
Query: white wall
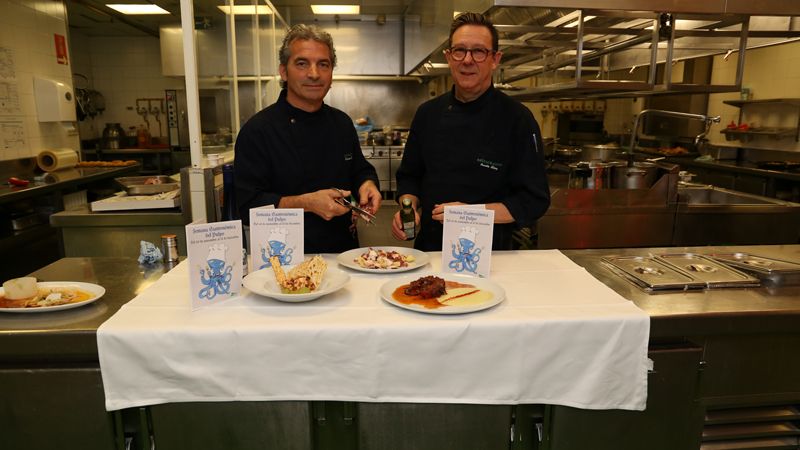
27	29
122	69
771	73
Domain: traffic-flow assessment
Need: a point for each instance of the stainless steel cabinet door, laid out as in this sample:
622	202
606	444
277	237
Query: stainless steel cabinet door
231	425
399	426
51	408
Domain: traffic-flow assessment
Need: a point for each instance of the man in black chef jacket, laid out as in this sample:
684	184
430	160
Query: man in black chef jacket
293	152
473	145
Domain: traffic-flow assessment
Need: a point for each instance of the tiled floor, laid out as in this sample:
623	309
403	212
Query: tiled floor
380	234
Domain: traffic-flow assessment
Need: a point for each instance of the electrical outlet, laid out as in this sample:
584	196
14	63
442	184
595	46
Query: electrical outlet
600	105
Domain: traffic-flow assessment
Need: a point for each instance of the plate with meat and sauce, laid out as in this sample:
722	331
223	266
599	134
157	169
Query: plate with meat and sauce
442	293
53	296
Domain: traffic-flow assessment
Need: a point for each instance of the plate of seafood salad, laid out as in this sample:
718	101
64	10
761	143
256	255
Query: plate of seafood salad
300	283
442	293
383	259
26	295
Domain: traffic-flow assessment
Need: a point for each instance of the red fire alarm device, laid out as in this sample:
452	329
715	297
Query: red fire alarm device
61	49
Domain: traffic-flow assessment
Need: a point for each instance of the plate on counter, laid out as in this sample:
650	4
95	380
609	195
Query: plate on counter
465	294
349	259
85	294
262	282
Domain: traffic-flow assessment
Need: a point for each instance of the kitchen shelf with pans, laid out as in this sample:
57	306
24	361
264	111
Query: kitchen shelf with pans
772	132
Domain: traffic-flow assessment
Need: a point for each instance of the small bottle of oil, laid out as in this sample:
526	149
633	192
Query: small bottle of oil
408	219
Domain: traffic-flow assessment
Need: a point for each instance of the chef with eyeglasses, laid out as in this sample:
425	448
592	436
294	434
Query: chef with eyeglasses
472	145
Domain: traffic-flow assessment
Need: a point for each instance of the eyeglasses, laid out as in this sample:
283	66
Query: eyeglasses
478	54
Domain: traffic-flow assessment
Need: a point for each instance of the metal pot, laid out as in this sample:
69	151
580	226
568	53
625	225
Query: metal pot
113	135
641	175
567	155
590	175
603	153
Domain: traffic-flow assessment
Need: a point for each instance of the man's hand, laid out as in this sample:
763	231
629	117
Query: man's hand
438	210
369	197
397	224
319	202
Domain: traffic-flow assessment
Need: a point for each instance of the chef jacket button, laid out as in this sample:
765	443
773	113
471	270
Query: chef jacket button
291	120
449	107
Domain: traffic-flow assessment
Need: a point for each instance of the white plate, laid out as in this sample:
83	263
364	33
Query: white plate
498	294
96	290
348	258
262	282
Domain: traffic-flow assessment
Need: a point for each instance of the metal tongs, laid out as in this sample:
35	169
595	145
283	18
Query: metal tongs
365	215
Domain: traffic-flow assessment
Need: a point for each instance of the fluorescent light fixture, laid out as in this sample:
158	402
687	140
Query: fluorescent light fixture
137	9
336	9
246	9
575	23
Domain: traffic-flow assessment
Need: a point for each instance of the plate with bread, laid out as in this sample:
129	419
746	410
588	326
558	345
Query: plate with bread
26	295
294	284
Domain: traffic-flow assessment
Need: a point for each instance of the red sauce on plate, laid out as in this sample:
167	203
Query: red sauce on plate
429	303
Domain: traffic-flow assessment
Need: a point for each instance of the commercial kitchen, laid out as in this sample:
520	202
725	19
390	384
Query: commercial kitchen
656	305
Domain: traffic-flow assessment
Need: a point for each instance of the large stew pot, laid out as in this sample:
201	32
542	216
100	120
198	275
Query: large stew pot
603	153
590	175
641	175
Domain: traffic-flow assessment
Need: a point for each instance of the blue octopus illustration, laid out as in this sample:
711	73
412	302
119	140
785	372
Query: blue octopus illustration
465	256
218	281
276	248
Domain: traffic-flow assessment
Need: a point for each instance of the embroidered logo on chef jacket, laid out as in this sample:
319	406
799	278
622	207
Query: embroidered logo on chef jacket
348	156
494	165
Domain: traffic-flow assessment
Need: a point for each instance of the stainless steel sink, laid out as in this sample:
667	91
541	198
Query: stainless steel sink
708	215
703	195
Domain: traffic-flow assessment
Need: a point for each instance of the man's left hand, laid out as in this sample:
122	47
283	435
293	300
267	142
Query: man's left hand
438	210
369	197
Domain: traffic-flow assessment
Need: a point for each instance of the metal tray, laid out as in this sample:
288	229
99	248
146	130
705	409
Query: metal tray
652	274
140	185
773	270
709	271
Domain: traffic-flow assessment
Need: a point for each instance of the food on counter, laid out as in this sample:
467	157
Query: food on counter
673	151
153	180
433	292
14	181
19	288
305	278
115	163
426	287
732	125
362	121
26	293
381	259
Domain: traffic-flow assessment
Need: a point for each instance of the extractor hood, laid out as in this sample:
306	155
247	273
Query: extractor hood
611	48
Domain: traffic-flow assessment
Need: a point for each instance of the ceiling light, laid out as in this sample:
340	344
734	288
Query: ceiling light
138	9
336	9
575	23
245	9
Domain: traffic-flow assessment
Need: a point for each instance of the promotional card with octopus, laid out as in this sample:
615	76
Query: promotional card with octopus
276	232
467	240
215	261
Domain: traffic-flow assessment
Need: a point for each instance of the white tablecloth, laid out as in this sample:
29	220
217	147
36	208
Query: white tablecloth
560	337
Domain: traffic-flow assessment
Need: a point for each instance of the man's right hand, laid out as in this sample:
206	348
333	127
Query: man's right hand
319	202
397	225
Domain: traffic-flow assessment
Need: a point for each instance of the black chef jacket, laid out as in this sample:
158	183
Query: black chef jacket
484	151
284	151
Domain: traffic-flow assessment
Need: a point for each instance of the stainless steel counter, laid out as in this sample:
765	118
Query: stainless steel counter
116	233
71	334
725	310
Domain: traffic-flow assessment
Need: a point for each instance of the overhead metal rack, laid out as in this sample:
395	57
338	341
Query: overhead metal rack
600	51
